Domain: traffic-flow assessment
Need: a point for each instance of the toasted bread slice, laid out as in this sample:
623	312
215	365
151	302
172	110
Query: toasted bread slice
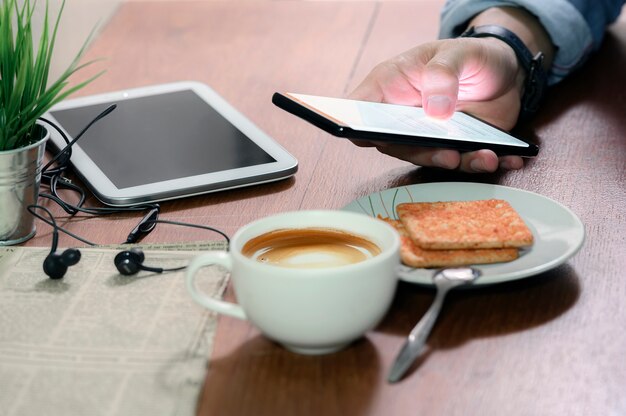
414	256
491	223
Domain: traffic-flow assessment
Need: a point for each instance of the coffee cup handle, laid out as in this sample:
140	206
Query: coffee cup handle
223	259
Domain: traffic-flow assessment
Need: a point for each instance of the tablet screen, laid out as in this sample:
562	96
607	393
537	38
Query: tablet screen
157	138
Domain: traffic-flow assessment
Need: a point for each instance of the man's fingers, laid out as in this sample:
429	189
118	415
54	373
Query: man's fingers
389	82
367	90
511	162
480	161
440	89
440	78
423	156
487	161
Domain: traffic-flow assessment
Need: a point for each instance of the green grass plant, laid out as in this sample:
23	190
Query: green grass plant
24	67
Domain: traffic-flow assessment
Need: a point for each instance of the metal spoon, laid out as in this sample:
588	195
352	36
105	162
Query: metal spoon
444	280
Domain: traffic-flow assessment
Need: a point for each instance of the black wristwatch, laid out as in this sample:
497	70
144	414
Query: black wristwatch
536	77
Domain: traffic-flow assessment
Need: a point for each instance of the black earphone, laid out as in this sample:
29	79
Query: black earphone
127	262
130	262
55	265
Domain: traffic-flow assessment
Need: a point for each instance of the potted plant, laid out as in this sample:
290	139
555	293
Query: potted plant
24	97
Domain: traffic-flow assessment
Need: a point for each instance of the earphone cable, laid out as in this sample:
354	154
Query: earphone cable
186	224
55	180
74	209
52	223
68	148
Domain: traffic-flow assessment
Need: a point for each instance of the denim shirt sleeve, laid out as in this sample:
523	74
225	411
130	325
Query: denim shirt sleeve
576	27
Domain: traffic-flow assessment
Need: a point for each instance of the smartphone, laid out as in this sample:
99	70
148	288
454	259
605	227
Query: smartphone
364	120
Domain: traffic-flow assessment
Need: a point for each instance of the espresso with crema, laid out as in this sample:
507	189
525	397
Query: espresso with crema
309	248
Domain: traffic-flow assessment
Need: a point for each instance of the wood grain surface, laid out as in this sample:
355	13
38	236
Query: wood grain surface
549	345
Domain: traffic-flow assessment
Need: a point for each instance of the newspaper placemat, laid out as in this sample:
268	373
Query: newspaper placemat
98	343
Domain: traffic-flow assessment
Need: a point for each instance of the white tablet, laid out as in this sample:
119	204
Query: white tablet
164	142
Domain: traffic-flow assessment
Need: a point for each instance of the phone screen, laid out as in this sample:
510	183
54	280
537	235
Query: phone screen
405	120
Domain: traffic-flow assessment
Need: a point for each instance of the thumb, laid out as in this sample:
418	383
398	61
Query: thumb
440	87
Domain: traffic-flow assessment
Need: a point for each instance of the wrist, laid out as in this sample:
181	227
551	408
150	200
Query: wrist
510	62
524	25
535	79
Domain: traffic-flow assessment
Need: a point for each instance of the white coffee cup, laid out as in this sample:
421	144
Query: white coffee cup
308	310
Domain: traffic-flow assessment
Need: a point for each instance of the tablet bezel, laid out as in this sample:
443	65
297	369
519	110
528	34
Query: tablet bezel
106	191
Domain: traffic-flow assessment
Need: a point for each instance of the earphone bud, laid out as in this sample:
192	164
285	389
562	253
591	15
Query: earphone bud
130	262
55	265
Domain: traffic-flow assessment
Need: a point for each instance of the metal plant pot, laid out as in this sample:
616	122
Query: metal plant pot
20	176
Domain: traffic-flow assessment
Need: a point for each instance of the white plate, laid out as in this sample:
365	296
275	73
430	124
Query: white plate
557	231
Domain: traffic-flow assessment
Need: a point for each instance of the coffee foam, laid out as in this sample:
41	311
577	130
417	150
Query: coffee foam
310	248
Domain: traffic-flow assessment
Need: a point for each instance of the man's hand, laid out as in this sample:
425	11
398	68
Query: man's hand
479	76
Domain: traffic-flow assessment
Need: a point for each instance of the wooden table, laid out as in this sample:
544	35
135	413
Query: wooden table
549	345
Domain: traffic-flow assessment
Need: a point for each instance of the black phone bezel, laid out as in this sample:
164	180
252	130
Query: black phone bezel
298	109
